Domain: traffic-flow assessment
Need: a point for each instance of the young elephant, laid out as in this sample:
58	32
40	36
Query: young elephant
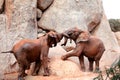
27	51
86	45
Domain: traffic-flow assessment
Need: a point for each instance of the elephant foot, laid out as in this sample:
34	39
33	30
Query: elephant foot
97	70
63	58
34	74
83	70
90	70
21	77
46	74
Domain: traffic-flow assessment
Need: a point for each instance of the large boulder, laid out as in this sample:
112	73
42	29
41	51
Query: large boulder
64	14
3	44
19	22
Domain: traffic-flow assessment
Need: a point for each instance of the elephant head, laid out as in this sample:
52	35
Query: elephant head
54	38
77	35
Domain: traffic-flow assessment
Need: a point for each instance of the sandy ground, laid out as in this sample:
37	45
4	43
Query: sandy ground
84	76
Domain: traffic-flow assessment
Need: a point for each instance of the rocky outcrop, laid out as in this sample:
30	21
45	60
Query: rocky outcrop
17	23
64	14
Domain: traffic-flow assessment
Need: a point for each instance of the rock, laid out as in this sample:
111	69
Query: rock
18	23
39	14
2	44
65	14
104	32
2	5
44	4
59	67
117	34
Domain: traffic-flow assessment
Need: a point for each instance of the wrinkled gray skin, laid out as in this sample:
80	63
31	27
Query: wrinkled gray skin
86	45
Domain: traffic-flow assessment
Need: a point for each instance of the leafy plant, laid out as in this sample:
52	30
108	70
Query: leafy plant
113	73
114	24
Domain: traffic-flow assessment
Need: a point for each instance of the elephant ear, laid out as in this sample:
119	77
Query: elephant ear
52	39
83	37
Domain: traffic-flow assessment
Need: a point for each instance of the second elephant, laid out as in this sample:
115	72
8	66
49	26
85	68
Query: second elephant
86	45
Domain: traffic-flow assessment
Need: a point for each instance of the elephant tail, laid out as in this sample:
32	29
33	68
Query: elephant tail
8	51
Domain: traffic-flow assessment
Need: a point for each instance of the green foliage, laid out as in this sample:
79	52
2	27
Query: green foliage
113	73
114	24
99	77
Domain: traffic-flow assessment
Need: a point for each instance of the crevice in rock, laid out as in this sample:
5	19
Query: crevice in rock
94	23
41	8
2	10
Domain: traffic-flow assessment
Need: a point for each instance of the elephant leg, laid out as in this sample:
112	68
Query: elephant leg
90	64
97	66
37	68
45	66
22	73
81	60
76	52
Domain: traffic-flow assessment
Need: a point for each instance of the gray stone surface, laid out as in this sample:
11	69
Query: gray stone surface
64	14
18	23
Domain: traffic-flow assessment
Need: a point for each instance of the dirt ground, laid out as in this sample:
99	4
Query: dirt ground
84	76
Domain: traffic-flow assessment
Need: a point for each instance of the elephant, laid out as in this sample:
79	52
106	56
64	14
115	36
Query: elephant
27	51
86	45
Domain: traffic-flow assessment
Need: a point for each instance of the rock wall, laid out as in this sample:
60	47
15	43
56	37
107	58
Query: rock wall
18	22
64	14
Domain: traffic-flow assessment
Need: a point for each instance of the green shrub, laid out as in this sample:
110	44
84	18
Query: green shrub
114	24
113	73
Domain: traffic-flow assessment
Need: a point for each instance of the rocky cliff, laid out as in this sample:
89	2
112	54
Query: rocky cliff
18	21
